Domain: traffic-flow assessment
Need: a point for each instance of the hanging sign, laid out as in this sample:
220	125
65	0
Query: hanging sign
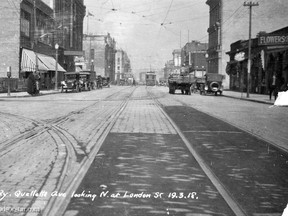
239	56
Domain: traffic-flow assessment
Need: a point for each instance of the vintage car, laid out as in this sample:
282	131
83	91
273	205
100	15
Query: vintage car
212	84
106	82
76	81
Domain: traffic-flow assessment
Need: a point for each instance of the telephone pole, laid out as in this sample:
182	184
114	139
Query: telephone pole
250	5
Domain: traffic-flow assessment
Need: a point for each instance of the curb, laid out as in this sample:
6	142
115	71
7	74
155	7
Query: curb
22	96
249	99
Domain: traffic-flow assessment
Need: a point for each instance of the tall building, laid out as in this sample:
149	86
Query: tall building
27	44
28	25
229	22
32	29
69	16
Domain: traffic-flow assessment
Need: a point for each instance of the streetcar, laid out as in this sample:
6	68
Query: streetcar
151	79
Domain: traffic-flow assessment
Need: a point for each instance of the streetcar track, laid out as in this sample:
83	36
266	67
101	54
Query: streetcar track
56	205
227	196
41	125
67	141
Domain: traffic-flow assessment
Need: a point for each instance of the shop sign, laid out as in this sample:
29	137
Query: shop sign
278	39
239	56
73	53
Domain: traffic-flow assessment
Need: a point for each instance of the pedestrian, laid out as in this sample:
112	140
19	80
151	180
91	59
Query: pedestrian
31	84
37	82
272	87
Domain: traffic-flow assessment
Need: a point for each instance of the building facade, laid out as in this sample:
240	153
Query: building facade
269	56
28	43
194	57
69	16
229	22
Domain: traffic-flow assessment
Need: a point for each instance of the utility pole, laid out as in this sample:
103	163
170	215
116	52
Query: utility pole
35	36
250	5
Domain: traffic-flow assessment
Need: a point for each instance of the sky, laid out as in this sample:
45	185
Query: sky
148	30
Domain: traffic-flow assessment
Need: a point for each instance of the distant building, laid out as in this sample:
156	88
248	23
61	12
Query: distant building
168	69
142	77
177	60
194	56
229	22
119	65
100	52
122	65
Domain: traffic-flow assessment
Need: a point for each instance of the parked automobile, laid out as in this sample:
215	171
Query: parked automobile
76	81
212	84
106	82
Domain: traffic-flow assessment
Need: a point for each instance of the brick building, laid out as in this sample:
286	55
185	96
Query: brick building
28	42
194	56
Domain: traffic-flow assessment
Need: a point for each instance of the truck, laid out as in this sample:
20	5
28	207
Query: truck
182	81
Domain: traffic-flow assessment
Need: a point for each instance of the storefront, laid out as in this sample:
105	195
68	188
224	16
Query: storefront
46	67
269	55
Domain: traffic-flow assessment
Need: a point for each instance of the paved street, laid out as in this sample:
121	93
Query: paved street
99	148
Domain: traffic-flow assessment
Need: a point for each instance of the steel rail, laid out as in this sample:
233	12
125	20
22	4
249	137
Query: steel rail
58	205
229	199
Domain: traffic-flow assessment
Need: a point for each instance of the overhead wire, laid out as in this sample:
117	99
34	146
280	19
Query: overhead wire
162	25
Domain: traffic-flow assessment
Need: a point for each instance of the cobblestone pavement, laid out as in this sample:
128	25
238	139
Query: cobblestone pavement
43	141
40	135
144	154
263	120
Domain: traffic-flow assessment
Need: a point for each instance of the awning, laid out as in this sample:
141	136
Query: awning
78	69
45	63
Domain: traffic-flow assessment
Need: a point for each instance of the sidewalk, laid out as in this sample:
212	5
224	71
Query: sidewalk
260	98
25	94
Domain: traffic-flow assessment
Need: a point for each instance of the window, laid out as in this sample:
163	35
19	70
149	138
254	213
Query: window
25	23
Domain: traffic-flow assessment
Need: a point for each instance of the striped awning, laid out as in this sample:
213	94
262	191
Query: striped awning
45	63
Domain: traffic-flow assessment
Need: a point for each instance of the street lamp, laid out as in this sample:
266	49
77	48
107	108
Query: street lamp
207	61
92	65
56	66
9	76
